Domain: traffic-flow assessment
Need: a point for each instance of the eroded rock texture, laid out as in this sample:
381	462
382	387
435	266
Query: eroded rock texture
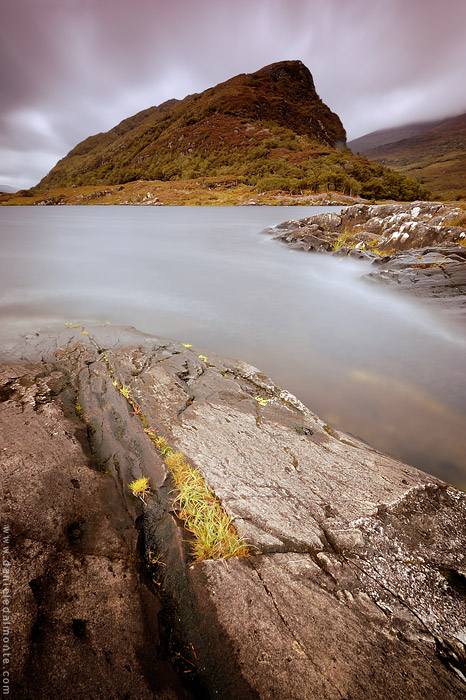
417	248
356	585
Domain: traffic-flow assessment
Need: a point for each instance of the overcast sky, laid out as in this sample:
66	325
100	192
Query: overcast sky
72	68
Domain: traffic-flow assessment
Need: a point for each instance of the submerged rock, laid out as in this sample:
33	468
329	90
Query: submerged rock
355	587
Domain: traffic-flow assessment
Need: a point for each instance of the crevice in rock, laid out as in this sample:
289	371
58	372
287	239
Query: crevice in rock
299	648
453	655
187	378
173	648
189	402
37	629
456	580
277	609
7	390
79	627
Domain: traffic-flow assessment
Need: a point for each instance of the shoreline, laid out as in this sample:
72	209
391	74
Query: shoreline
205	191
417	249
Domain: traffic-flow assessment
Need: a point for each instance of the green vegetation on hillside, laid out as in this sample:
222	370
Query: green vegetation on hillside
268	130
436	158
284	162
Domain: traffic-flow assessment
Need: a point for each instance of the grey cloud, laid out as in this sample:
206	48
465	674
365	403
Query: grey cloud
71	68
15	163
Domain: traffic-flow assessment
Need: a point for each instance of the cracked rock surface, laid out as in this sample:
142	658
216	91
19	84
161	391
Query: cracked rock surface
356	585
417	248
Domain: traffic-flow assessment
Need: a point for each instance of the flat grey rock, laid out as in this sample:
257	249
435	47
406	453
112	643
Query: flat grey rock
356	583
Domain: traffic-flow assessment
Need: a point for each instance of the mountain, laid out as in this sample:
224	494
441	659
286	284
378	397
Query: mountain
365	143
434	154
7	189
269	129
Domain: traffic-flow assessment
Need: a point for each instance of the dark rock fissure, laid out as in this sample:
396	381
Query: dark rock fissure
7	391
456	579
79	627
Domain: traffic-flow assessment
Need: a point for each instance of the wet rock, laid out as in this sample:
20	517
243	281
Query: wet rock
437	273
417	248
356	581
84	617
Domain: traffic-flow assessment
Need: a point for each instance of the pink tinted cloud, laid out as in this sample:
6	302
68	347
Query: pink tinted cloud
70	68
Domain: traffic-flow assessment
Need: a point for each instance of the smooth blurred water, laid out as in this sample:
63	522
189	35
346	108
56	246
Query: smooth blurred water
385	367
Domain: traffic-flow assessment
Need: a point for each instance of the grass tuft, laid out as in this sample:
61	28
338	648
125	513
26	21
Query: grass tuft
140	487
125	391
215	536
330	432
203	515
342	240
261	401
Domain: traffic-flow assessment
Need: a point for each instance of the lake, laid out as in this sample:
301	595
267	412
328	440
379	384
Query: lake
387	368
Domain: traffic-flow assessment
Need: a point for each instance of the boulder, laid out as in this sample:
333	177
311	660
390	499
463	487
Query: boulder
328	221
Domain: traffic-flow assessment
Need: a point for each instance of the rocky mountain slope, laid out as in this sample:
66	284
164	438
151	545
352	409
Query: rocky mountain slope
435	156
267	129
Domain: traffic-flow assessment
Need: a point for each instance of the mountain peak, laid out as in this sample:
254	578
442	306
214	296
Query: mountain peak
288	70
226	124
269	129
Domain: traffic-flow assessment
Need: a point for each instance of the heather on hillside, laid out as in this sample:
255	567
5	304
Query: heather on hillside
269	130
434	154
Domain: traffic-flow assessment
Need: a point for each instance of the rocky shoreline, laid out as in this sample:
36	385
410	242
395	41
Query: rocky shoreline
205	191
417	248
355	584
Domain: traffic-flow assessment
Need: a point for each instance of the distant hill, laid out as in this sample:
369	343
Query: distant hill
8	189
433	153
269	130
383	136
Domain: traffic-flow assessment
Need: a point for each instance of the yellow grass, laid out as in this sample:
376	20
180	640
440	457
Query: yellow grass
215	536
203	515
140	487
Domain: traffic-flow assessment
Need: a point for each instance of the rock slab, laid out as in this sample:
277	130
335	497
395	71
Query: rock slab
356	584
